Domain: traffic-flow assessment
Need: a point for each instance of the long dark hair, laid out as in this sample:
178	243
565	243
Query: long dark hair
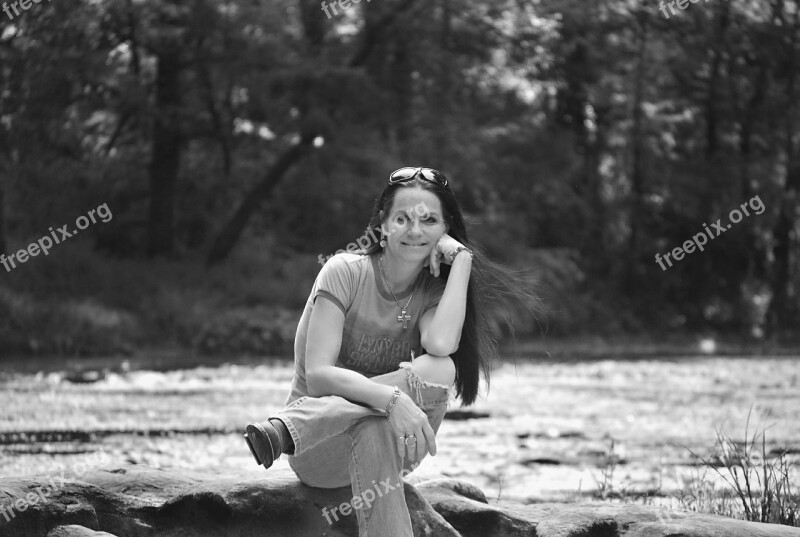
491	288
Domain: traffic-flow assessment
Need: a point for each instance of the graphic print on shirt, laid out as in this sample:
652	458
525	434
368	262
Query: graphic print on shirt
376	355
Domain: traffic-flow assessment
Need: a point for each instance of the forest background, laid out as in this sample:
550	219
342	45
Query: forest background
235	142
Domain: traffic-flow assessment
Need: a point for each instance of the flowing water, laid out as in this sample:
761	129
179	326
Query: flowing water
547	430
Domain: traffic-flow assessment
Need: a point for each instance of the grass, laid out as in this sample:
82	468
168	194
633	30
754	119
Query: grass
756	484
606	487
759	482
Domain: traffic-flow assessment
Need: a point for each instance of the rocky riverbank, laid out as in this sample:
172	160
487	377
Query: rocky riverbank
139	501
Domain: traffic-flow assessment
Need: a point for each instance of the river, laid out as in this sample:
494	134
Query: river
543	432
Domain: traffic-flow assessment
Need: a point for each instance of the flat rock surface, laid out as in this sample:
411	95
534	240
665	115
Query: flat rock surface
136	500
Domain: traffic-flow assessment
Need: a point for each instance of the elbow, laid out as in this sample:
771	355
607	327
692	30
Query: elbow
440	348
315	382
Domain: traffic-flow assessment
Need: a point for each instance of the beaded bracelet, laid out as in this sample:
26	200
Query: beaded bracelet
392	401
455	252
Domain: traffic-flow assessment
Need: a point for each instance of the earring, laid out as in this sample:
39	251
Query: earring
383	242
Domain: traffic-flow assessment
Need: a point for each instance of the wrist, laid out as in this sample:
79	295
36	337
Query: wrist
392	401
459	252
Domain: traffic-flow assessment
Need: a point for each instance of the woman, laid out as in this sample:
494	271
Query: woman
359	412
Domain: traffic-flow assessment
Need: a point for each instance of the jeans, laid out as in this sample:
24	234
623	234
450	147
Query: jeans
338	442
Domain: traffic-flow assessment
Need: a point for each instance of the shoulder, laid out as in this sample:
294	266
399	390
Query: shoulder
345	258
345	262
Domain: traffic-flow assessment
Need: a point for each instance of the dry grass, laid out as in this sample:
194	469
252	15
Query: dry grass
758	481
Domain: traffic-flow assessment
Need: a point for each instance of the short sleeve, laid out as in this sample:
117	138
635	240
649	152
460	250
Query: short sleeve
434	291
336	282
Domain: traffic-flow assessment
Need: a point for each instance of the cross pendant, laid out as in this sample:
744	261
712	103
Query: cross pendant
403	318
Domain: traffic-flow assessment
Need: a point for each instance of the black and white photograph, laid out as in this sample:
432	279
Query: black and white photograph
399	268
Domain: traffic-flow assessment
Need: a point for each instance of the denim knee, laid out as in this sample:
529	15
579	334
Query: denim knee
426	394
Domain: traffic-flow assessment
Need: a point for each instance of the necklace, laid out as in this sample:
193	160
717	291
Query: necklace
403	317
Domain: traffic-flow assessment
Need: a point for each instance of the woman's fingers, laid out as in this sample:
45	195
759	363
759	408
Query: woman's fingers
401	446
426	440
430	437
398	427
421	447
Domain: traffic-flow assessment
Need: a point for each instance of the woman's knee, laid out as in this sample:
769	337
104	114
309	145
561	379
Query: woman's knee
435	369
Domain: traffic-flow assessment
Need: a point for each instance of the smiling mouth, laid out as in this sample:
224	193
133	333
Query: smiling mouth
409	244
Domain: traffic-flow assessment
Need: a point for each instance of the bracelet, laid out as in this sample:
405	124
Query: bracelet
392	401
455	252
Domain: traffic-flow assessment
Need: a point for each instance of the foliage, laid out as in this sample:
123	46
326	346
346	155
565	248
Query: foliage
581	139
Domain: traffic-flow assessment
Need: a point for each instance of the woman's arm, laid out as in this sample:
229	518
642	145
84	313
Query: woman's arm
324	341
440	332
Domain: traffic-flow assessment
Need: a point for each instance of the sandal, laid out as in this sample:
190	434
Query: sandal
264	442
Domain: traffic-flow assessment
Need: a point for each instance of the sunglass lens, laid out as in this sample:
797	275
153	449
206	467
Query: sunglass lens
434	175
403	174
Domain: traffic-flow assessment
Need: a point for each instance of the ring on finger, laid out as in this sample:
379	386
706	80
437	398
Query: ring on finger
411	437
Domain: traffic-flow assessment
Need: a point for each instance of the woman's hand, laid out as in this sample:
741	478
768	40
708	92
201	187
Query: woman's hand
406	418
441	252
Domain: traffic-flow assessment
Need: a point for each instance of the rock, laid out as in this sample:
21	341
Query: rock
88	376
466	509
134	501
627	520
460	414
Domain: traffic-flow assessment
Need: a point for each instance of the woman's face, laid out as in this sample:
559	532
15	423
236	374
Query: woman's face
414	224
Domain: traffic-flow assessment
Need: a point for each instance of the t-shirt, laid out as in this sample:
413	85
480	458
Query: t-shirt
373	340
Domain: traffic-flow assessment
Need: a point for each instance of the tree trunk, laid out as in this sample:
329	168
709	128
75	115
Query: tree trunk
783	307
375	31
2	222
716	44
712	97
227	238
166	155
756	255
444	134
403	89
637	172
314	24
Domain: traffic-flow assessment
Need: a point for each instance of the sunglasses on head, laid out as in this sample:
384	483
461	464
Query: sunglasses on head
402	175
